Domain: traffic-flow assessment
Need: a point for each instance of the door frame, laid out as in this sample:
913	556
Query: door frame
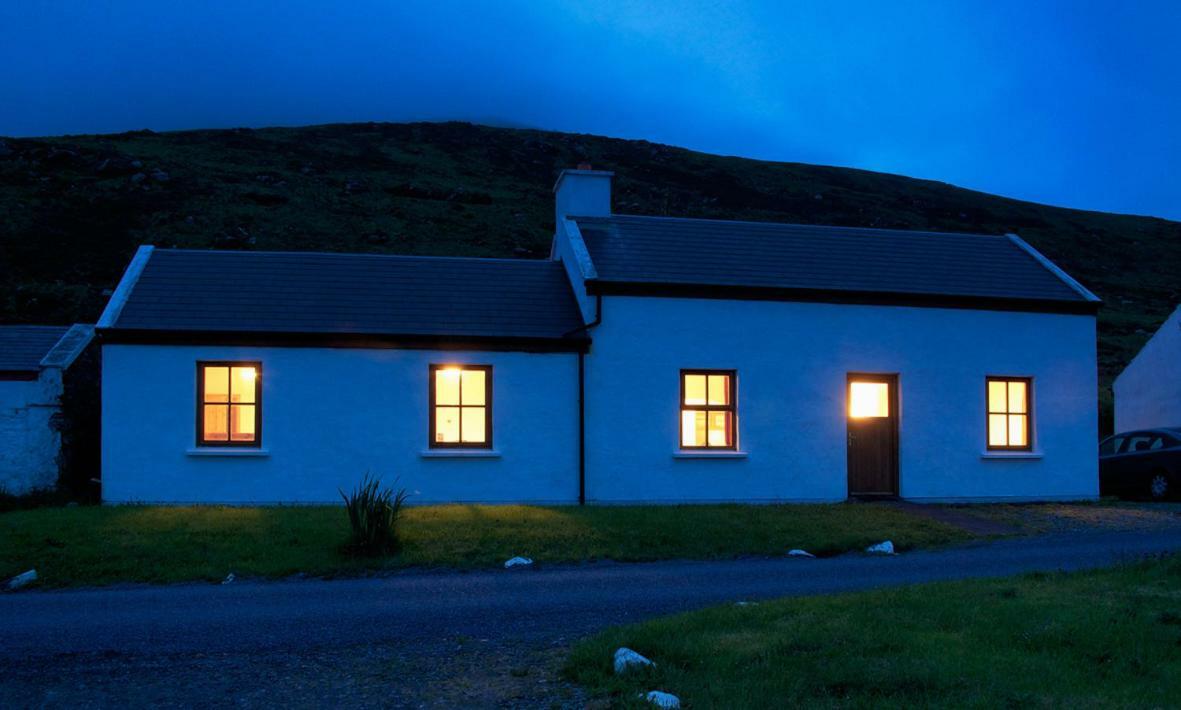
891	379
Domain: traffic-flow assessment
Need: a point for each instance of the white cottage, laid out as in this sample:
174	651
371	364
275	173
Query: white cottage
650	359
1148	391
33	360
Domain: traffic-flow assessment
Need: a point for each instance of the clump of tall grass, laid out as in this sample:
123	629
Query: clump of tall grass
373	511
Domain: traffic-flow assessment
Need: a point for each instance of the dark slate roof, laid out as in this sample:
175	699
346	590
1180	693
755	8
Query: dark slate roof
671	251
354	294
23	346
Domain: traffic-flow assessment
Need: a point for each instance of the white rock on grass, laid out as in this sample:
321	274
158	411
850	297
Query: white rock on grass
518	562
229	578
882	548
662	699
22	579
627	659
799	553
746	603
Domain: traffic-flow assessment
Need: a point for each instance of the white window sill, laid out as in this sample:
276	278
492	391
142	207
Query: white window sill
703	454
226	451
1011	455
459	454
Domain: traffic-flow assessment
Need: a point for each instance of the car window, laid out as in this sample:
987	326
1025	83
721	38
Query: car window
1169	441
1157	442
1111	445
1142	443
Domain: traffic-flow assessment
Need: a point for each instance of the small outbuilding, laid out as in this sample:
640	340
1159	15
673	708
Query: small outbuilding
1148	391
33	360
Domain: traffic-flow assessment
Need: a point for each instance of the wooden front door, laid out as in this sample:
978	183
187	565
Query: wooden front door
872	425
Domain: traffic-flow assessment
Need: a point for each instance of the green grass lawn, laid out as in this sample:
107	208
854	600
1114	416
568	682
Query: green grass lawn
102	545
1108	638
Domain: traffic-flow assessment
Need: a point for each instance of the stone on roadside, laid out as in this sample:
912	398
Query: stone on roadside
799	553
882	548
22	579
661	699
627	659
517	562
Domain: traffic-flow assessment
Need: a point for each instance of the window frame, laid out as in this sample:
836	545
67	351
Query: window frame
202	442
732	408
1029	416
432	407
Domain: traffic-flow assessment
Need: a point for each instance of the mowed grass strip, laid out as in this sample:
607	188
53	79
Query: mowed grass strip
103	545
1109	638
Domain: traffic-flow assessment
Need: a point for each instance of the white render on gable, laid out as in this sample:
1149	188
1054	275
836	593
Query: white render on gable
1148	391
792	360
29	440
30	436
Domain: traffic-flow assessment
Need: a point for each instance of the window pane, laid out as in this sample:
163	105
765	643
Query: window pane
719	389
719	428
473	425
446	424
242	382
242	422
216	422
472	385
217	384
997	436
996	396
1017	398
693	428
1017	430
694	389
447	385
869	399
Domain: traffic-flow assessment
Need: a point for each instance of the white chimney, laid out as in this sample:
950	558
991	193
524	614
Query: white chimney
582	193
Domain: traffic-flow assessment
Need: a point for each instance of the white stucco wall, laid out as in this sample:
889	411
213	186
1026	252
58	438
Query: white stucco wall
330	415
29	442
792	360
1148	391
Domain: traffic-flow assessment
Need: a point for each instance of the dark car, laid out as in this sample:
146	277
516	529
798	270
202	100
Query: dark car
1141	464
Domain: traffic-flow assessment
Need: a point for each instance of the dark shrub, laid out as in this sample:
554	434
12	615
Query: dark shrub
373	516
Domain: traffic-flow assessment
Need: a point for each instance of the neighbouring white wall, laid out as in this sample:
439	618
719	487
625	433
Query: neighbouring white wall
1148	391
792	360
330	415
29	441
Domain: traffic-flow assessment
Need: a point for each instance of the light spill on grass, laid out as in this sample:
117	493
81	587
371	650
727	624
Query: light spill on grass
1109	638
101	545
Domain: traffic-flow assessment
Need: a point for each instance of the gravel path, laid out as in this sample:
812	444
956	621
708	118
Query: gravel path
426	639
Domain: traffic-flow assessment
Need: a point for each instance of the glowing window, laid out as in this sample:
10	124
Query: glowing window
461	399
1009	412
707	409
869	400
229	403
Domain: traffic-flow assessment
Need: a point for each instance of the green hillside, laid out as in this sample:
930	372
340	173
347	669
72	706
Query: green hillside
73	209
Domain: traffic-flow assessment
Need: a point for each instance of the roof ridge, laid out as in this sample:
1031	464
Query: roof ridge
353	254
608	218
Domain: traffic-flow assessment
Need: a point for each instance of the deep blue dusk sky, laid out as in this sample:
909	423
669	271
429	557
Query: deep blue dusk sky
1071	103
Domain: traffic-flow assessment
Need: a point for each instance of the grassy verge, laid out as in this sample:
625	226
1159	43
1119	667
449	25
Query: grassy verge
101	545
1108	638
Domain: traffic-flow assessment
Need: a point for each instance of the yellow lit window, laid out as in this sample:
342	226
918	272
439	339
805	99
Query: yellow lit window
1008	412
707	409
869	400
461	400
229	405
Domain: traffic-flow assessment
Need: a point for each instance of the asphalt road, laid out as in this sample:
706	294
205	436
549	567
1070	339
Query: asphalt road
427	638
